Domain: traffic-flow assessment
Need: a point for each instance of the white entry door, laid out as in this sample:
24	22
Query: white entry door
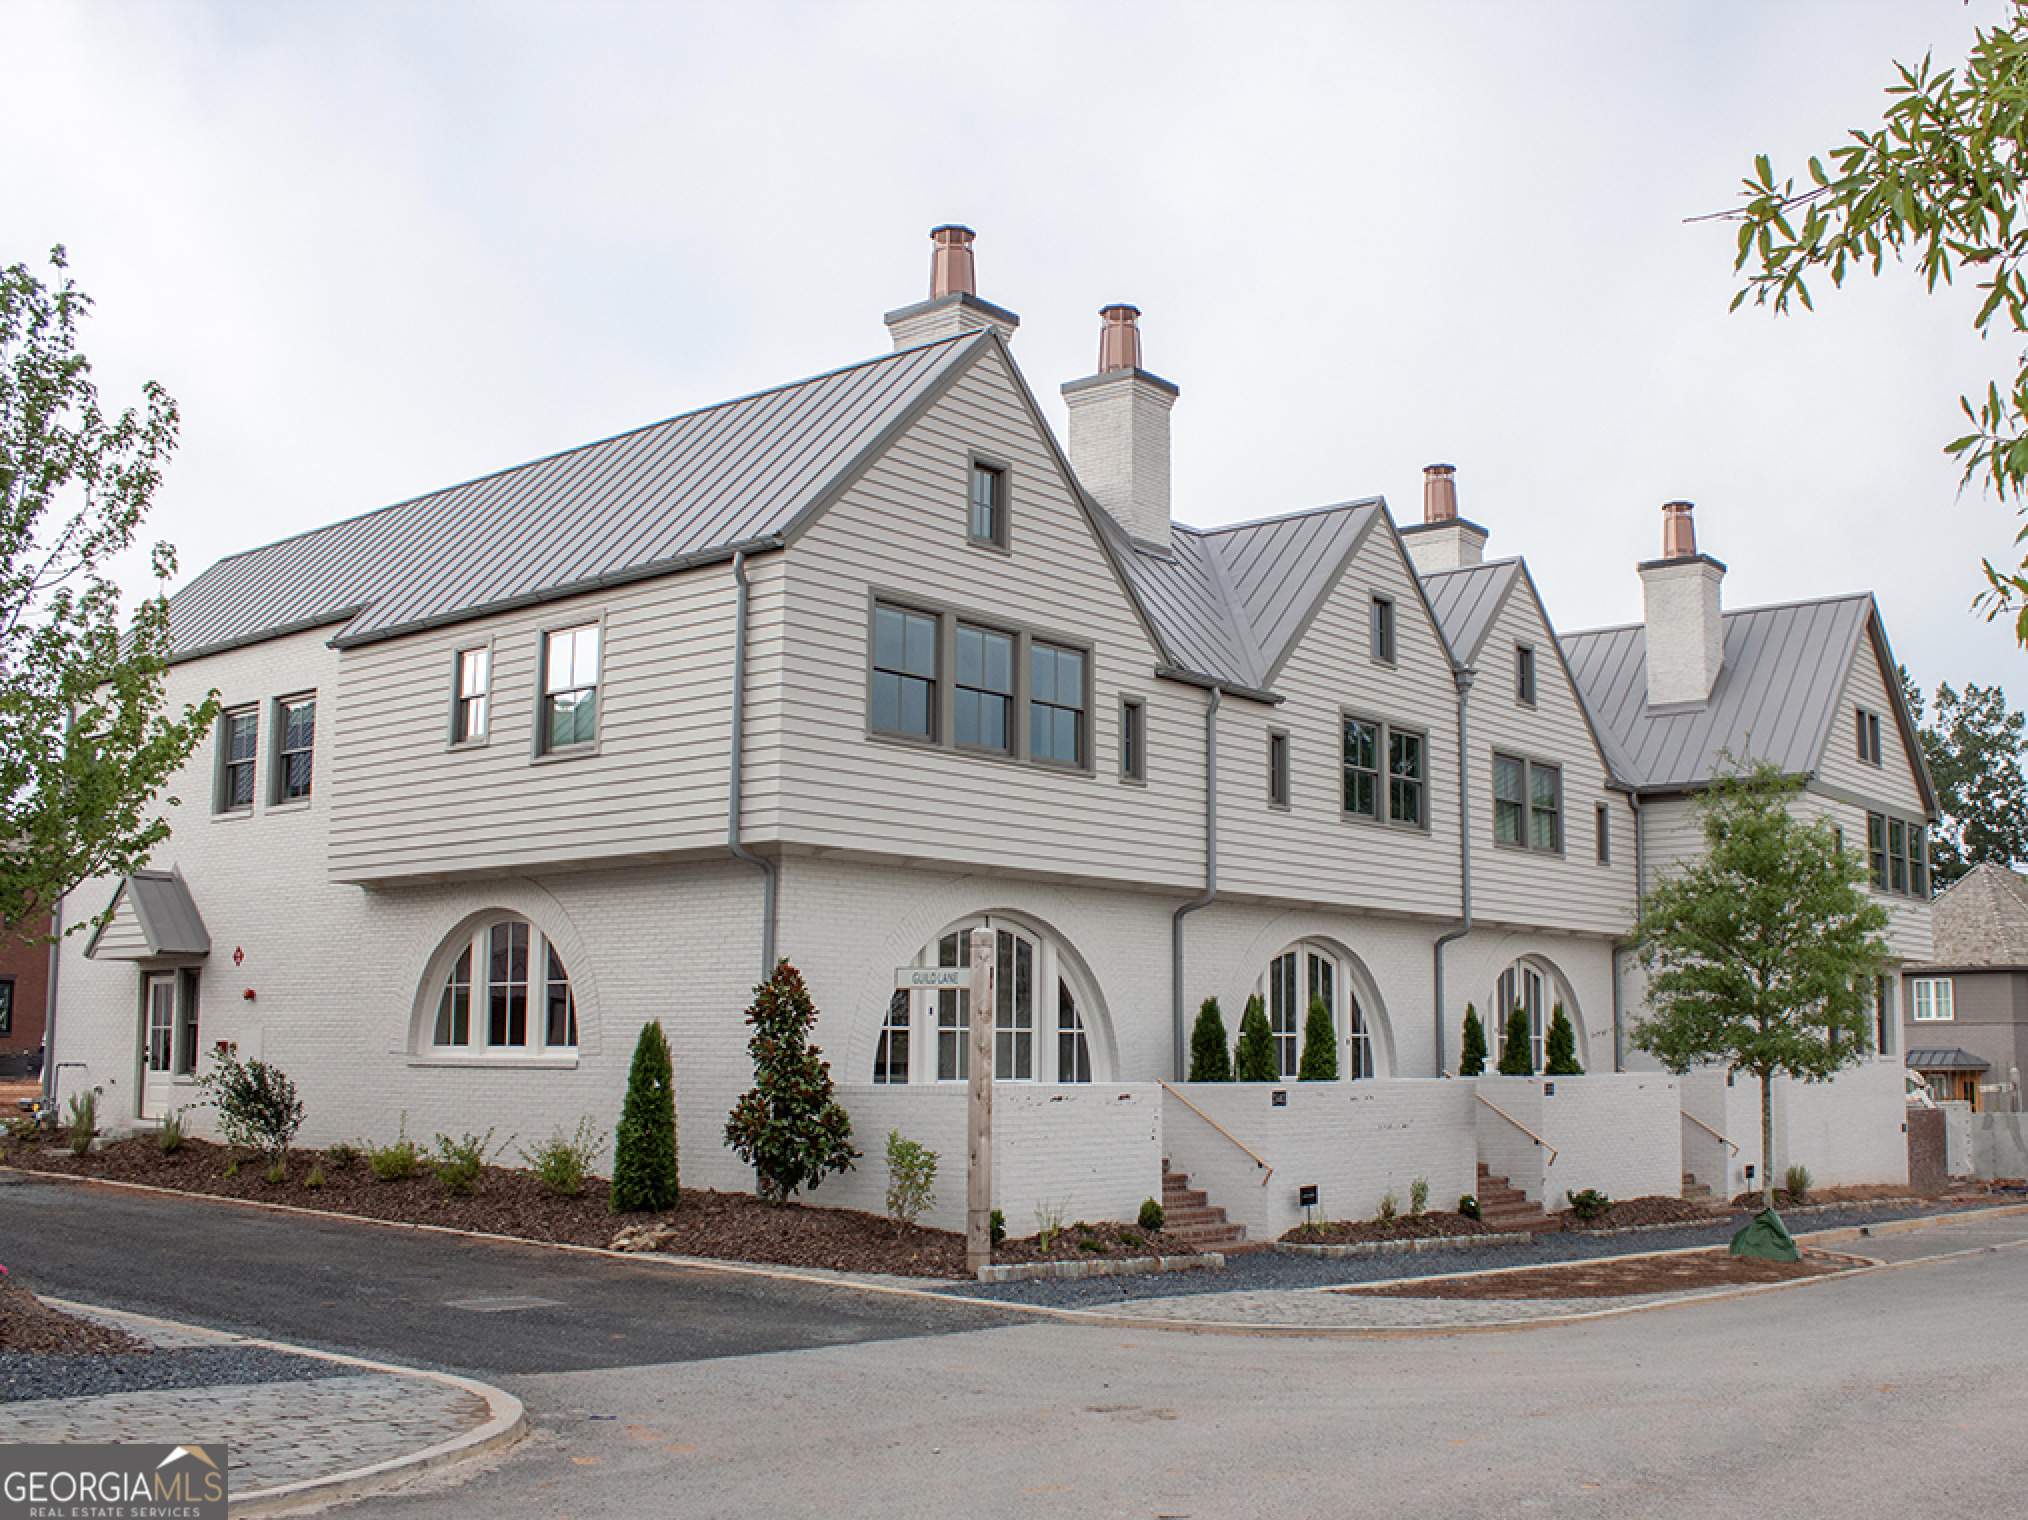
158	1046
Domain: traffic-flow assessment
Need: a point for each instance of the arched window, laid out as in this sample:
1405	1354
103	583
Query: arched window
1039	1032
506	992
1314	970
1535	988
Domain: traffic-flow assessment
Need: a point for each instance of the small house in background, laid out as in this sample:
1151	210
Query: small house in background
1966	1022
24	999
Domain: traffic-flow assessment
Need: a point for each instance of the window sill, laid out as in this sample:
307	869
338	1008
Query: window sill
993	545
457	744
1528	849
231	815
561	756
538	1062
293	805
969	752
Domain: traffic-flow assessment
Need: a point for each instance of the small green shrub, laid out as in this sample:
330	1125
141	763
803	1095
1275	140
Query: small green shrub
1091	1243
232	1166
1389	1206
1319	1061
278	1173
996	1226
1048	1224
1559	1052
1132	1241
1418	1197
1517	1046
341	1154
1472	1049
1254	1061
1210	1058
257	1105
171	1137
1152	1216
1468	1205
459	1162
316	1178
83	1123
911	1175
1589	1203
1797	1182
563	1163
646	1177
400	1158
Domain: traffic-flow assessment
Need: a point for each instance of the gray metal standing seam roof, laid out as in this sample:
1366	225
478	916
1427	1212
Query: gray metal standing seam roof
698	486
166	913
1466	601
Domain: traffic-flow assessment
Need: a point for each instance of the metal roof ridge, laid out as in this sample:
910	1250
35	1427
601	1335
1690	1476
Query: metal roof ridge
1282	517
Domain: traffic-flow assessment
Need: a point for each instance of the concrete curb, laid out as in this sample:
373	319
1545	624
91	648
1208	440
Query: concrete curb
1363	1248
505	1423
1132	1266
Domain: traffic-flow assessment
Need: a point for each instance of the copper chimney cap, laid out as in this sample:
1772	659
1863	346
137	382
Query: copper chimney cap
1119	339
951	263
1439	493
1679	534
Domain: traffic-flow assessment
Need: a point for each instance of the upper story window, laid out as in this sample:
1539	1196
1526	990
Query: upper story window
983	698
1366	742
1383	629
1868	725
1278	768
1524	675
988	522
1929	999
570	687
507	993
1133	739
1056	703
1527	803
474	684
904	672
238	751
295	745
1898	855
1604	834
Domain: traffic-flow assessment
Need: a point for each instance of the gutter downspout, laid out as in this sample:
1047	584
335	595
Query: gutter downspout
1210	881
1619	950
49	1005
1464	679
769	870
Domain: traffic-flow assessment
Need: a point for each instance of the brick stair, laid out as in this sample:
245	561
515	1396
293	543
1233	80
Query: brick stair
1189	1215
1695	1191
1507	1208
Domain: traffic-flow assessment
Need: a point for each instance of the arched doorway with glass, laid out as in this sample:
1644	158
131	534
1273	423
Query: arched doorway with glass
1315	968
1046	1024
1538	989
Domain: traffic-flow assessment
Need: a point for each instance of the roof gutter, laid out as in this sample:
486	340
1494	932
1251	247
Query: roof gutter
1465	676
770	871
1214	683
1210	881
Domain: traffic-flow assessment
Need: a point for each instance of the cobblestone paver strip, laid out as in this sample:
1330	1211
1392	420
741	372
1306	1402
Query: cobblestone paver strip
276	1433
1327	1310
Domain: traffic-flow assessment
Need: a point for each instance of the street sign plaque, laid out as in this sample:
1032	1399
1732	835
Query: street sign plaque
916	978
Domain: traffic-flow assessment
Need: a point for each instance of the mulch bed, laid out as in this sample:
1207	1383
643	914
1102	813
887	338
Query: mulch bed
1632	1213
721	1226
1435	1225
28	1324
1615	1279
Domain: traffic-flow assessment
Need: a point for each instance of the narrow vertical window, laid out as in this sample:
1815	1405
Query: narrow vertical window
1278	768
890	1056
1883	1015
1362	768
1056	703
954	1031
1383	629
560	1019
1285	1012
1510	799
474	682
1014	1008
507	985
1073	1047
570	687
1545	807
989	506
1524	675
904	672
238	746
296	730
982	698
454	1010
1405	778
1604	839
1133	739
1869	735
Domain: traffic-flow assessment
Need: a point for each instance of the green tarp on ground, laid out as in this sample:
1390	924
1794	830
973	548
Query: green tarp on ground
1767	1237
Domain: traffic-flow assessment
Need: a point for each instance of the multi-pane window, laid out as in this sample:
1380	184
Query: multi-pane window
890	1056
989	505
1868	724
1278	768
1930	999
1898	855
1883	1015
296	735
238	750
1296	979
1056	703
1286	1009
1036	1036
1521	986
474	683
1133	739
507	992
1527	803
1407	780
6	1005
1383	629
904	672
982	699
1362	768
1073	1047
1524	674
570	681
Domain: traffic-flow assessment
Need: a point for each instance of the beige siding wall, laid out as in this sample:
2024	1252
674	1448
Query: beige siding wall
1891	783
899	534
1311	851
407	802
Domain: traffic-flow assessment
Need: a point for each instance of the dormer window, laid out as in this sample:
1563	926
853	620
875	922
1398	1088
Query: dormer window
1868	724
988	523
1524	675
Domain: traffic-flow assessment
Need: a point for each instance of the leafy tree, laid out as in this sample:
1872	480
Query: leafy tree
1319	1061
1472	1049
1761	953
788	1126
1938	184
85	743
1517	1045
1559	1052
1974	754
645	1167
1210	1056
1254	1059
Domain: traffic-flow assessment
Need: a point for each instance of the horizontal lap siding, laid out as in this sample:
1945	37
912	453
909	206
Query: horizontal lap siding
1891	784
1569	891
901	529
1310	852
407	803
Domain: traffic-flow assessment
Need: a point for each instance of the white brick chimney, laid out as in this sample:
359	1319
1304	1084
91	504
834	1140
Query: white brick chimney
1119	432
953	306
1442	540
1685	629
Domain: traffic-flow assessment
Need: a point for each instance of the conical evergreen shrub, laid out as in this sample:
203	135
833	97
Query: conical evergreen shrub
1210	1055
1517	1050
788	1126
1254	1060
1559	1054
644	1148
1472	1051
1320	1045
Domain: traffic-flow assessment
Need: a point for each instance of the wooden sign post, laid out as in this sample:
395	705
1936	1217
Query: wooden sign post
979	1110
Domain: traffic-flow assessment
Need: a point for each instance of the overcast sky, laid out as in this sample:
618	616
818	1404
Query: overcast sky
374	250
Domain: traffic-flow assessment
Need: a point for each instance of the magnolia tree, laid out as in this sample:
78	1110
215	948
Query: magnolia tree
1761	953
86	744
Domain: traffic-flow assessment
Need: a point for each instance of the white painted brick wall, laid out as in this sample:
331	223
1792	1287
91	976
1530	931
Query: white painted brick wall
1613	1132
1849	1130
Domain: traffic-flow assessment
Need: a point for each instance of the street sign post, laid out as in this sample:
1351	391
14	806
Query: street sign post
979	1110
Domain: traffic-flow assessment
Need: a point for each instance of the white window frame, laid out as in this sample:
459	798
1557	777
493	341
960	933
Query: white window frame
1316	968
925	1035
452	969
548	689
1930	1000
472	700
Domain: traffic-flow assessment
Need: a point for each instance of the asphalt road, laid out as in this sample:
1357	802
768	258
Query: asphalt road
396	1295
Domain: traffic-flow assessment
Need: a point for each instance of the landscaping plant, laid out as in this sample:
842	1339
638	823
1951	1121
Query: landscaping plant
83	1123
1559	1054
1210	1057
1796	1182
399	1159
1472	1049
1517	1051
459	1162
1319	1061
1588	1203
1389	1206
564	1163
788	1126
171	1138
1418	1197
1254	1061
257	1104
316	1178
911	1173
996	1226
1468	1205
644	1146
1152	1215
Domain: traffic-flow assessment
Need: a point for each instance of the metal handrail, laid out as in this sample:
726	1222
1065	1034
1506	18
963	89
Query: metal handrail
1709	1130
1266	1170
1518	1125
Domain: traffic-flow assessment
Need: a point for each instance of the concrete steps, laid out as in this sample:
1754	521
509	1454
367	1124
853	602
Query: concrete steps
1507	1208
1189	1215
